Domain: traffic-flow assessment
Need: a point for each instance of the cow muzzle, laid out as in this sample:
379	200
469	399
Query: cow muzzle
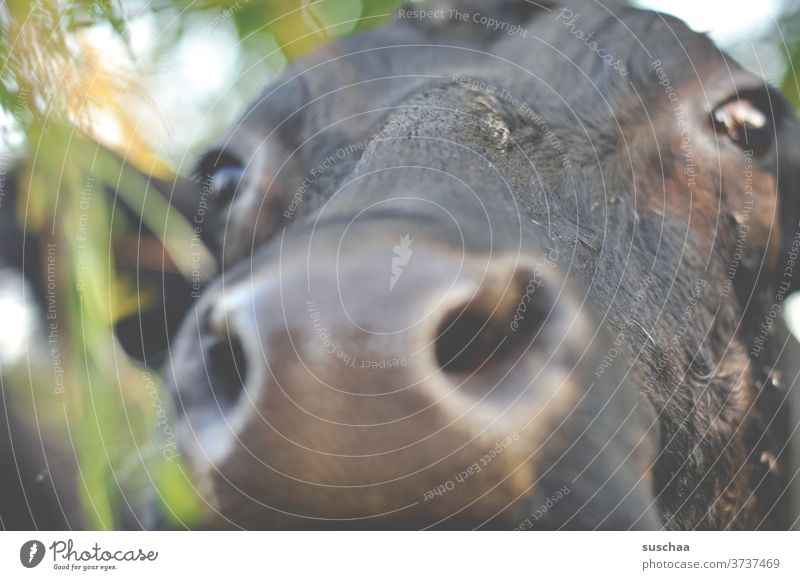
402	379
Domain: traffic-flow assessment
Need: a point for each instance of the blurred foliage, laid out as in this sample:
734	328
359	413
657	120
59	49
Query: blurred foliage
301	25
59	92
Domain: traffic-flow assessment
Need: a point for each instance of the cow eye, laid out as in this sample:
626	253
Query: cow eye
224	183
222	175
744	122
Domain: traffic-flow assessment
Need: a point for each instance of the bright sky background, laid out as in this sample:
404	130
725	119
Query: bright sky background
733	24
726	20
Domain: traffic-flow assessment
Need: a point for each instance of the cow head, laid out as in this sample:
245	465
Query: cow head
506	271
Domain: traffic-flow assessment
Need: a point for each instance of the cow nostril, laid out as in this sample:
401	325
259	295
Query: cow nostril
465	341
489	331
227	369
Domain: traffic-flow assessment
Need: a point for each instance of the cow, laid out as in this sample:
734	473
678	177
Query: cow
498	265
493	265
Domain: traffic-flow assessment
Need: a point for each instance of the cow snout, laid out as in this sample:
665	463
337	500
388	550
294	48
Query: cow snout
450	319
364	376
